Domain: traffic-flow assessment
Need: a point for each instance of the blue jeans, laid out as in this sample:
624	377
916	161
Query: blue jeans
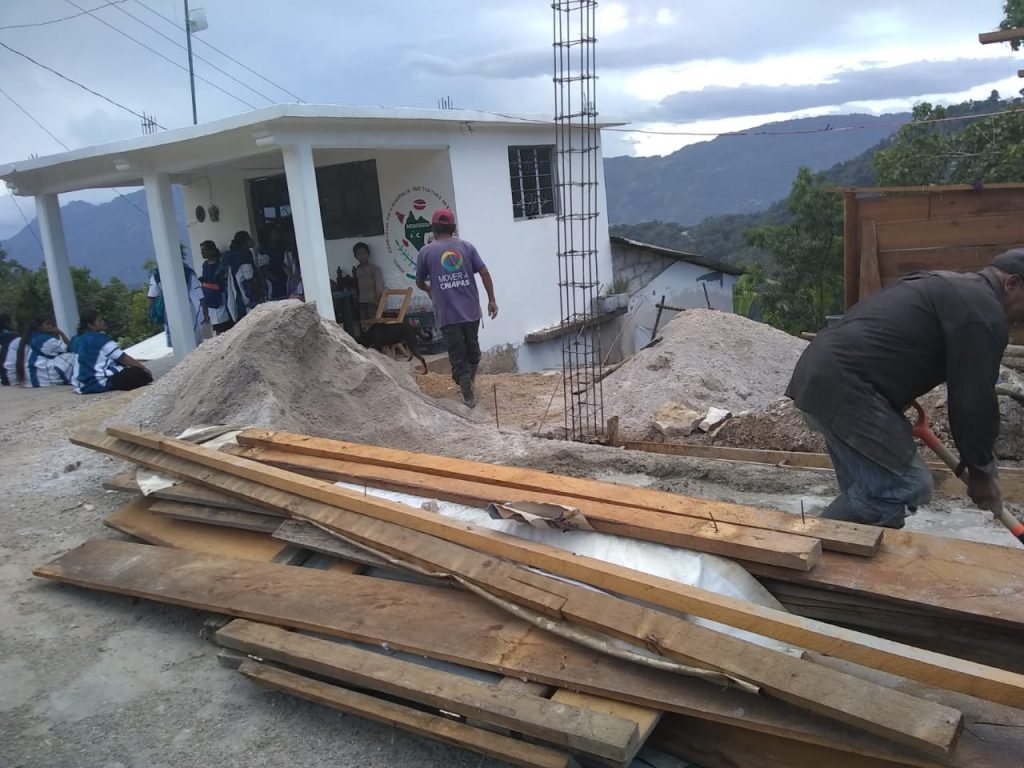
870	493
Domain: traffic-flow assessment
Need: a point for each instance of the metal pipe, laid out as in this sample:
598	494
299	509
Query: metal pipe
191	69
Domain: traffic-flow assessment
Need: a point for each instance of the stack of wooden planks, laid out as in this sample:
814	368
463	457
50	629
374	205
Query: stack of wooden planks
850	698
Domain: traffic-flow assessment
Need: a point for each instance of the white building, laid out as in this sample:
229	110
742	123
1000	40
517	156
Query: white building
341	175
673	279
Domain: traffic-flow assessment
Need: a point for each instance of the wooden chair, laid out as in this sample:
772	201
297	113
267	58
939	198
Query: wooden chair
387	316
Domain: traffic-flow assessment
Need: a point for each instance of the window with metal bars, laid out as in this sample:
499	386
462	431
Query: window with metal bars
531	174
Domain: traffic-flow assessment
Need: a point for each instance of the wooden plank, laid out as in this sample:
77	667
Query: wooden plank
847	537
1001	36
186	493
436	727
999	229
963	258
921	725
685	599
644	719
226	518
135	519
973	203
869	282
581	731
787	550
308	536
473	633
124	482
658	527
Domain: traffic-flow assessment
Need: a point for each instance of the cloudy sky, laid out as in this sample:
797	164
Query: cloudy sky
691	67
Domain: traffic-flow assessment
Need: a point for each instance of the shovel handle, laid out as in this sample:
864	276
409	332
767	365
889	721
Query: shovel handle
1013	525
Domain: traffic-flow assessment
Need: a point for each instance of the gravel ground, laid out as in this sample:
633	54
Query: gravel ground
90	680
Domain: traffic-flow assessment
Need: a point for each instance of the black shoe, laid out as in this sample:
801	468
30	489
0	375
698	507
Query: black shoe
468	396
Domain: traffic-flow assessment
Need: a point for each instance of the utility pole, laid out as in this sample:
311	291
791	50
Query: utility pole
191	70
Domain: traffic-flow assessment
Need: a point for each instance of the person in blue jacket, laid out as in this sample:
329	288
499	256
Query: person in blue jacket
214	282
100	364
43	359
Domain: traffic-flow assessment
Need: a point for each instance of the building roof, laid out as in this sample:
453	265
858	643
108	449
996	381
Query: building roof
178	150
691	258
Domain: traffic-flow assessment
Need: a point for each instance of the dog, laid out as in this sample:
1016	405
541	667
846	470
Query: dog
383	335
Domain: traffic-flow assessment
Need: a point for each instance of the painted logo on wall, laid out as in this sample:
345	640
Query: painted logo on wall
407	226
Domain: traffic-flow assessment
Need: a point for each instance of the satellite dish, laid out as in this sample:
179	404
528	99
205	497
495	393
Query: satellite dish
197	20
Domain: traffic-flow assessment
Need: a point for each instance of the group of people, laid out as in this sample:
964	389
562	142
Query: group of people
232	283
91	361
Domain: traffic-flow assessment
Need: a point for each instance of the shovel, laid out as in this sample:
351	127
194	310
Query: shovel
923	432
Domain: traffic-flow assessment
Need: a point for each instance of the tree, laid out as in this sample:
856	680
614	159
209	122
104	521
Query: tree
990	149
1013	17
26	294
808	252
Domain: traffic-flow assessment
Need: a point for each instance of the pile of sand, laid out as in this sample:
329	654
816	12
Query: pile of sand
782	428
285	367
704	359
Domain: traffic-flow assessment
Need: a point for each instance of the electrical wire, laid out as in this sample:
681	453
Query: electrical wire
62	76
63	18
25	219
155	52
195	55
226	55
50	133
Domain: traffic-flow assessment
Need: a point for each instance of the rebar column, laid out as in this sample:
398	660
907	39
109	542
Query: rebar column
576	158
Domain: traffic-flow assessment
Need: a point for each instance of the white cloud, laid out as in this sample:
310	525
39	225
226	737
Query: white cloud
665	17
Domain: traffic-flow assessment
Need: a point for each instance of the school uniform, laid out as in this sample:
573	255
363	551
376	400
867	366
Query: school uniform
47	361
213	281
195	298
9	343
240	270
97	367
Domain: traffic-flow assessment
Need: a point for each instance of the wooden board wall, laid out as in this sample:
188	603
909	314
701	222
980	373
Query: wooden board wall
956	229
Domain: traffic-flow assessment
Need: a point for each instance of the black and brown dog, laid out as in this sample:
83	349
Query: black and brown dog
381	336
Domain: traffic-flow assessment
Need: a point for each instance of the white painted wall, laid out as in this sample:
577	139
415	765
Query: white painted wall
472	176
678	284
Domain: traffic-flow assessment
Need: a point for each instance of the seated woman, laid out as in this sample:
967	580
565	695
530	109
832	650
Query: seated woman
43	357
101	365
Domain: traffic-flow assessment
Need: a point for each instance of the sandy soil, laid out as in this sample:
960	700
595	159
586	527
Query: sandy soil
93	680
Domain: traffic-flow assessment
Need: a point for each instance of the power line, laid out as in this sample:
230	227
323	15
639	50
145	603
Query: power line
226	55
155	52
50	133
197	56
25	219
63	18
75	82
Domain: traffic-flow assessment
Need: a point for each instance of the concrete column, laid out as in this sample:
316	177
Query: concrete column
58	269
168	258
304	199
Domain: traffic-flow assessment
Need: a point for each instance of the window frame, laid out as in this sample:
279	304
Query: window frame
517	163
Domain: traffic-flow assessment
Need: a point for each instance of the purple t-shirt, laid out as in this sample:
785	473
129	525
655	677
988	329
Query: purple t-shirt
450	266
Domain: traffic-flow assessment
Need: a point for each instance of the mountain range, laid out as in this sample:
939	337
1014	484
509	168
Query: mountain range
111	239
725	176
736	174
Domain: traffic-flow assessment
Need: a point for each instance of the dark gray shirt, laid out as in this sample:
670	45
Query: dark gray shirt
905	340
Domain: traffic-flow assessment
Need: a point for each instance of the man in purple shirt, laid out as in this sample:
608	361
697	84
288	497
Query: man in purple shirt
446	269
